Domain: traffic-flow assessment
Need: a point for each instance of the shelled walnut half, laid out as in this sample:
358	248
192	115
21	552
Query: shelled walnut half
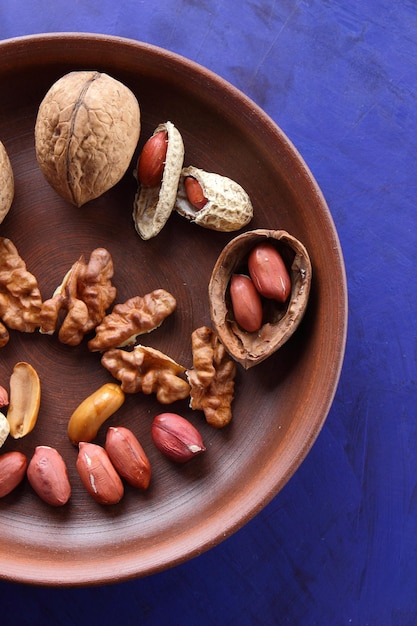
280	320
212	378
84	296
20	297
149	371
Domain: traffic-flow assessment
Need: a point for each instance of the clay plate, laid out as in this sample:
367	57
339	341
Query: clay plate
280	405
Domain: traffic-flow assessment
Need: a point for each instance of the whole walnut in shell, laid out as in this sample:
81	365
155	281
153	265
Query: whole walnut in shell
86	132
6	183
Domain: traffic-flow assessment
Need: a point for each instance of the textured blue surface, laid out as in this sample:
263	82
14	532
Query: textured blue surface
338	545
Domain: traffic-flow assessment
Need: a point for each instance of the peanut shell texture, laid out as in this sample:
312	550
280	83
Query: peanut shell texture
6	183
87	129
153	205
228	206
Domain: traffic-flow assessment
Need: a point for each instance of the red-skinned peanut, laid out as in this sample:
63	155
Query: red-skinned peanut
195	193
246	303
268	272
152	160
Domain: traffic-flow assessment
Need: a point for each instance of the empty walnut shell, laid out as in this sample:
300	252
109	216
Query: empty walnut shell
228	206
6	183
279	321
86	132
153	205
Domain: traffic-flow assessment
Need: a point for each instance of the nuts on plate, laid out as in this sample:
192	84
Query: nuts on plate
138	315
128	456
176	437
47	474
12	471
219	203
98	474
6	183
212	378
157	190
84	296
86	132
280	320
25	399
87	418
149	371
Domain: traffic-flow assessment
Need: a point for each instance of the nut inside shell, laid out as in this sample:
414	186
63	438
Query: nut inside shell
279	321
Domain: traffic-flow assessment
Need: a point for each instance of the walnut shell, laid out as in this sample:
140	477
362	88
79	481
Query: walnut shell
153	205
6	183
228	208
86	132
280	321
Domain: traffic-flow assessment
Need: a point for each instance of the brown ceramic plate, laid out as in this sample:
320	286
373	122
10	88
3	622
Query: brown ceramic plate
280	405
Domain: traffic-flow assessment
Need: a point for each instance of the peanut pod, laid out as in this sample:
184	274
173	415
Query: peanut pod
25	398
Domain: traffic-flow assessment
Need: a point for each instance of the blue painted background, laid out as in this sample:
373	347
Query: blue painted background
338	546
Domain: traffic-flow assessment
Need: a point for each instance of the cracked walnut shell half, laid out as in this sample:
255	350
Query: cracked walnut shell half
279	320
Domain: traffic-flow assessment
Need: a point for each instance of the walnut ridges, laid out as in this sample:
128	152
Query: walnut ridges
6	183
86	132
280	320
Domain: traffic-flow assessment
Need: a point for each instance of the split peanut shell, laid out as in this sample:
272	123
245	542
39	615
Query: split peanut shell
228	206
279	321
86	132
6	183
153	205
25	398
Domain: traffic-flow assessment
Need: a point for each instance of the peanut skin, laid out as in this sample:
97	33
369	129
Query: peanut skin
48	476
12	471
98	474
268	272
128	456
176	437
152	160
246	303
195	193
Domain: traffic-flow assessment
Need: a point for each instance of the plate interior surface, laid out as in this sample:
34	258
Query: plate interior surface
279	406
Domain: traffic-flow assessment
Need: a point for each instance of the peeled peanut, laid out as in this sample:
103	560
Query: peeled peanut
25	398
152	160
12	471
176	437
48	476
98	474
268	272
87	418
246	303
128	456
